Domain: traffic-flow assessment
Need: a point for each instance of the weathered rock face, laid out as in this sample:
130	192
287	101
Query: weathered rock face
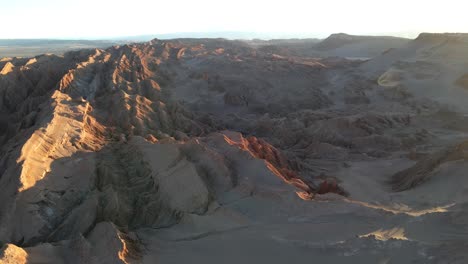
11	254
423	170
442	37
78	142
190	138
463	81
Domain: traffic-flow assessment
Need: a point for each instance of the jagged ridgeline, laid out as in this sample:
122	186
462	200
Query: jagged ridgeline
78	142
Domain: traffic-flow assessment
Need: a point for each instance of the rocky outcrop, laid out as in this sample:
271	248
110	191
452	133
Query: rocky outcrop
11	254
7	68
423	170
442	37
462	81
352	46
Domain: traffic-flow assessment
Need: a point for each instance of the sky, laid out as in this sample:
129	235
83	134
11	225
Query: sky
103	19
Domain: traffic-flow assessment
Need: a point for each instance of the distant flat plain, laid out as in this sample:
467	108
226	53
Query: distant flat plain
33	47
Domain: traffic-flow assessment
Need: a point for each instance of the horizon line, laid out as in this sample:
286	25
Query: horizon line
247	36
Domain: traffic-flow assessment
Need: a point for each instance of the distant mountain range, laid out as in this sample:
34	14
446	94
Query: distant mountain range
299	44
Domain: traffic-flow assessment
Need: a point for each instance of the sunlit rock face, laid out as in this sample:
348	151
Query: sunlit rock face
162	150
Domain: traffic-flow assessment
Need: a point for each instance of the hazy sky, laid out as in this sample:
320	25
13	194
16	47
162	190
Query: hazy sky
113	18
